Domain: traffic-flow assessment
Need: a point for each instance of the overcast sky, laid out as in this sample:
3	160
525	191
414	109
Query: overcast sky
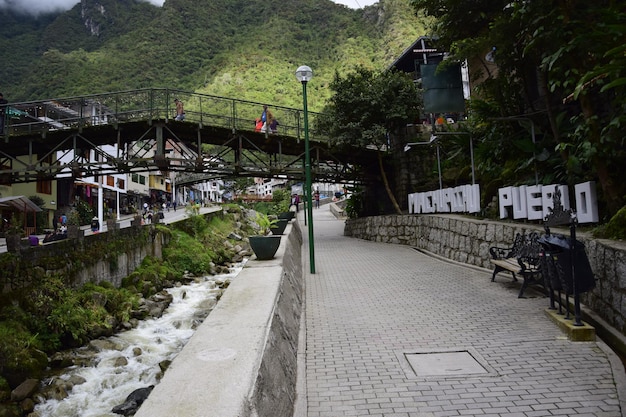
38	6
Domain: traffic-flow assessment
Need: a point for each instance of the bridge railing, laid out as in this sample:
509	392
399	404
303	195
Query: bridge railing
150	104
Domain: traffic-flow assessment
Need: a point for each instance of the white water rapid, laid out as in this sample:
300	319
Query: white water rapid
134	362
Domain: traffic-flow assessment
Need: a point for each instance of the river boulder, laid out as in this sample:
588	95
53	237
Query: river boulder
133	401
25	390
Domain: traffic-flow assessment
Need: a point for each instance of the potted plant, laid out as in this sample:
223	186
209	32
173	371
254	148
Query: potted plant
282	203
278	226
264	245
286	215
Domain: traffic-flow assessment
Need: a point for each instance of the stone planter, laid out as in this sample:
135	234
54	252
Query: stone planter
75	232
279	227
265	247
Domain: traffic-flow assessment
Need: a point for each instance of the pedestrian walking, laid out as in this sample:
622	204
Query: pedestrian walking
180	111
266	118
295	201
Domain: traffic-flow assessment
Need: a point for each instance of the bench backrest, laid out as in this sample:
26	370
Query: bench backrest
526	245
528	252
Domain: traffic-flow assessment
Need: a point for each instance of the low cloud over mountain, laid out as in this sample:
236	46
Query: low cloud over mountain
36	7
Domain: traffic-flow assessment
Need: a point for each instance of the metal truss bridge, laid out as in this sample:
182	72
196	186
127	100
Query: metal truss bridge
135	131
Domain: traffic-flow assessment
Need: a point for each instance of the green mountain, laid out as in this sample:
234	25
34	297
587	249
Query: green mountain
247	49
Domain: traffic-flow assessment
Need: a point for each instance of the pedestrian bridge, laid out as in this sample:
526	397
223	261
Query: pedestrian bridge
135	131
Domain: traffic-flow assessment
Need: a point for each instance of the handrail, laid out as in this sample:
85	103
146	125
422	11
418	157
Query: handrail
113	108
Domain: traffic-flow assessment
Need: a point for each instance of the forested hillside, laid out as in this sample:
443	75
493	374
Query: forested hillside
247	49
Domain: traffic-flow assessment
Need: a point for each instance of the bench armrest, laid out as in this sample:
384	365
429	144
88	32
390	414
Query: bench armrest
500	253
529	263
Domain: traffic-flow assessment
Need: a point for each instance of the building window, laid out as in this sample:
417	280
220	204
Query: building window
44	186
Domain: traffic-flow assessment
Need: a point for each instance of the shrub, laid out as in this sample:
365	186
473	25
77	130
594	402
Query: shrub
14	343
184	253
282	200
354	205
150	277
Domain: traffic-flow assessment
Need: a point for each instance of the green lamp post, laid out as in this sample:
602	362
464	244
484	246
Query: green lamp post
304	75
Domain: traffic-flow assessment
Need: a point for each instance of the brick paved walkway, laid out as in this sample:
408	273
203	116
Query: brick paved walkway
371	304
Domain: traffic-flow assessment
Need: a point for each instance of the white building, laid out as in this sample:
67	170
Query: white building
264	187
211	191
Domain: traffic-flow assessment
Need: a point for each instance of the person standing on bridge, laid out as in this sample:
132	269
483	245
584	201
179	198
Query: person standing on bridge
266	117
274	126
3	108
180	110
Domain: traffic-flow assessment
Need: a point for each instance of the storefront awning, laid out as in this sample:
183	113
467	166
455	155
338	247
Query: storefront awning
19	203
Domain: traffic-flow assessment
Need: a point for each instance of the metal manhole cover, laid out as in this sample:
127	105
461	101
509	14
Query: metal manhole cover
444	363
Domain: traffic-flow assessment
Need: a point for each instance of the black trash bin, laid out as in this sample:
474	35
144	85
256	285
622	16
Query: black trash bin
559	254
548	267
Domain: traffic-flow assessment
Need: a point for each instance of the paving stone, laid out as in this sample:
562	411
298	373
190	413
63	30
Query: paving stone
369	304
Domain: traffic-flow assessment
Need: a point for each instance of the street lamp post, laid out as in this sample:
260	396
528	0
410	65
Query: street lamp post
304	75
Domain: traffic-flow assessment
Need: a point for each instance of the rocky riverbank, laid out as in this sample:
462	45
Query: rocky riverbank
55	386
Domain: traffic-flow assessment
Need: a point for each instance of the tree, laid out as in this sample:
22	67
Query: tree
371	109
238	185
559	64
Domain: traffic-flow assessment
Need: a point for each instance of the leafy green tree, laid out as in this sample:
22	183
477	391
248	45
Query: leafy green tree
558	65
371	109
238	185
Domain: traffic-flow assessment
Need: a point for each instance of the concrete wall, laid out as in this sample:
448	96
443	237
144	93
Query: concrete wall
468	240
242	360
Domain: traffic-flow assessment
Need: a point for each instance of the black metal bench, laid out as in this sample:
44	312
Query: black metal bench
523	258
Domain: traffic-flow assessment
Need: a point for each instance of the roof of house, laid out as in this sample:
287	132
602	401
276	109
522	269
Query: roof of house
19	203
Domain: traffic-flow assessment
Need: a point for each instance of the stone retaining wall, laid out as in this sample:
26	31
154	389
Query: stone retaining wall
468	240
100	257
109	256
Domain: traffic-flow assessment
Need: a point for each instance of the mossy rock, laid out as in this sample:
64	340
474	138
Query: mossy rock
615	228
33	365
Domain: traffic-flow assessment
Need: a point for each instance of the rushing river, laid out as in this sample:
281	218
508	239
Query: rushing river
134	362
